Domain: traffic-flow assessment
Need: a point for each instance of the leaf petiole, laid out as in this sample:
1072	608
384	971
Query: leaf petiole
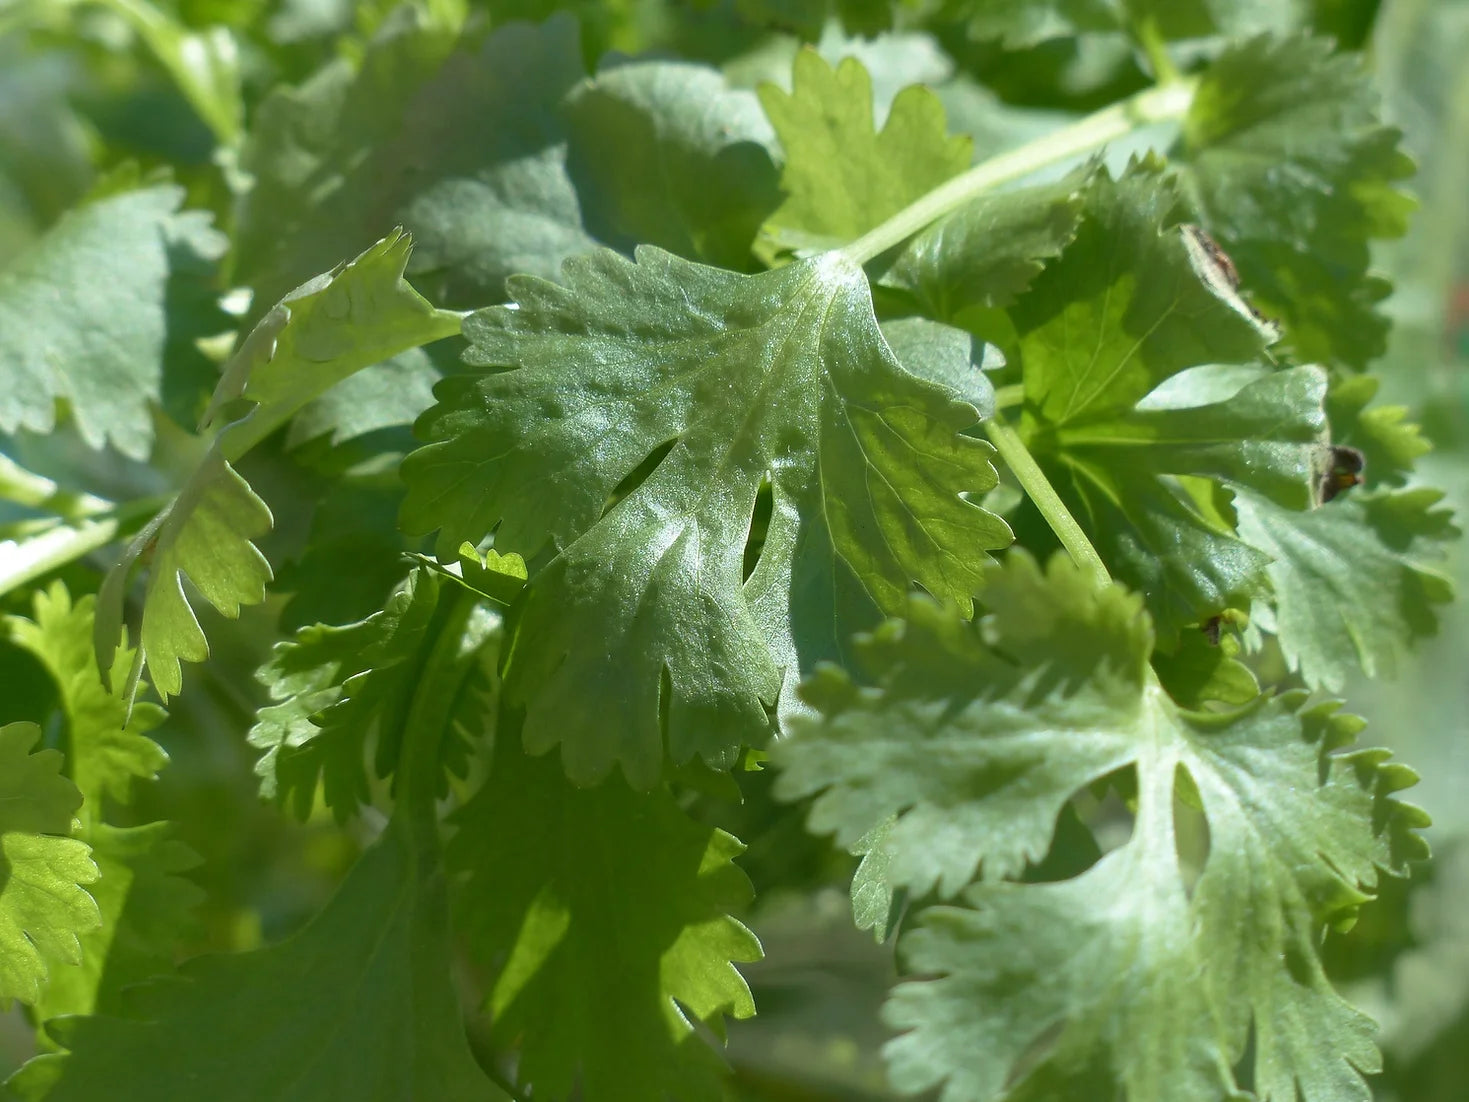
1039	489
1153	105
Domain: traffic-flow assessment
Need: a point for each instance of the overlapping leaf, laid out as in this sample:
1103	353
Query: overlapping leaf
1357	581
1286	157
145	903
725	381
608	930
1121	974
109	749
43	906
841	175
88	316
359	1004
500	158
1130	305
324	331
339	690
986	252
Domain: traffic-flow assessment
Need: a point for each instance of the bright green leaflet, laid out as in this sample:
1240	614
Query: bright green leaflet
1357	581
340	689
43	906
324	331
731	379
145	903
1162	985
608	929
86	316
1285	155
358	1005
841	176
109	750
1127	307
500	158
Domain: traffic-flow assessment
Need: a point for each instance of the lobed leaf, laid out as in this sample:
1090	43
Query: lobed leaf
717	382
88	316
1357	581
330	327
841	175
1284	154
340	689
1140	447
44	908
1130	972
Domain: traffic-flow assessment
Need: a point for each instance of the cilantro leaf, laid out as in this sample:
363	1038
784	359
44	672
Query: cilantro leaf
500	157
607	928
1285	156
146	906
1127	308
108	749
988	792
358	1004
144	903
341	689
86	316
327	329
1388	442
43	906
988	251
724	380
997	726
841	175
1357	580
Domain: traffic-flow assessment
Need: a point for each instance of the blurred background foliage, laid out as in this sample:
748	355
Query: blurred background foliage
86	87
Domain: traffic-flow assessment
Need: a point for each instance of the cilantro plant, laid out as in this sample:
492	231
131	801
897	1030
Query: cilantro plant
536	455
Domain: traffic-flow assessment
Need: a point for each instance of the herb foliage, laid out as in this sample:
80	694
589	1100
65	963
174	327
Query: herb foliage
550	457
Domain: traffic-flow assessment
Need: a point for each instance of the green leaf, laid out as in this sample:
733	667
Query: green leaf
607	929
1130	306
87	316
501	158
987	786
717	381
358	1004
339	690
324	331
146	907
842	176
108	749
43	906
1389	443
1286	158
988	251
1357	580
1123	973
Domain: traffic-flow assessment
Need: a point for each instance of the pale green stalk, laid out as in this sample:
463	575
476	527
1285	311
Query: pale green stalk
1153	105
1039	489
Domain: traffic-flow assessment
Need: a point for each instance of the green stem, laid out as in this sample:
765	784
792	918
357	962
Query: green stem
1039	489
1008	396
1150	40
1153	105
